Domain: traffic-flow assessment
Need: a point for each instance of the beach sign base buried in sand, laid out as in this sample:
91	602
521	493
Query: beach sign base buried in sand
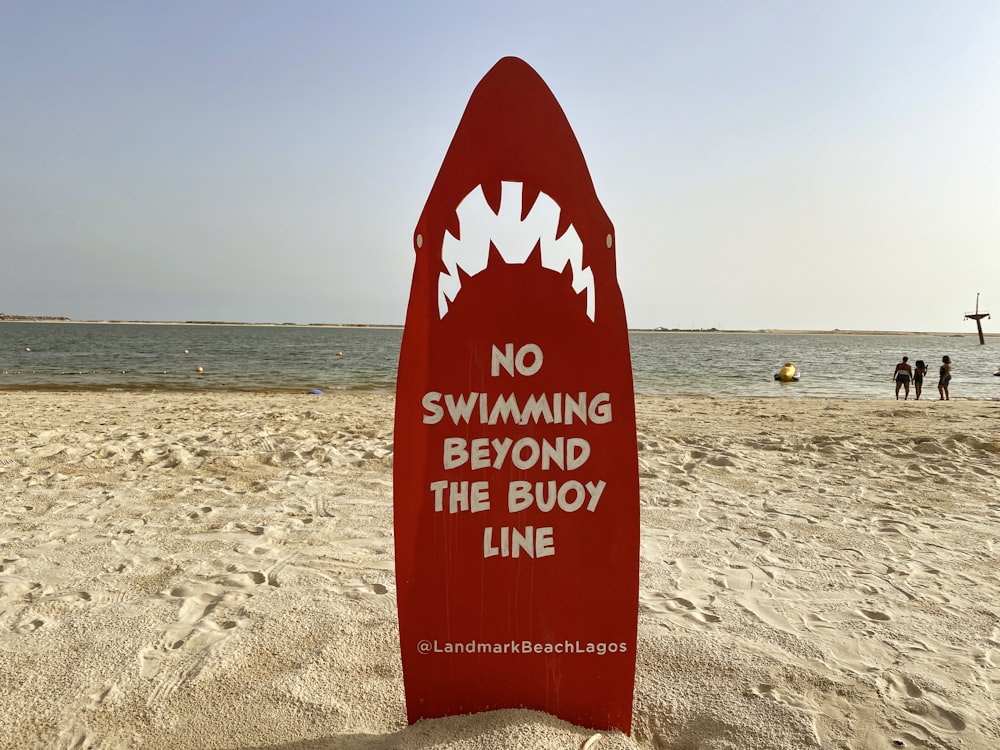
515	463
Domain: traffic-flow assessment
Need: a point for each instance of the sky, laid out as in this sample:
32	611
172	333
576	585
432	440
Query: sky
770	164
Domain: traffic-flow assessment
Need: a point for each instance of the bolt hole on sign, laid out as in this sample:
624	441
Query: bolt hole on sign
516	490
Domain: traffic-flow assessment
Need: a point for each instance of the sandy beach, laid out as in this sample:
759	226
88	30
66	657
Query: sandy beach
214	570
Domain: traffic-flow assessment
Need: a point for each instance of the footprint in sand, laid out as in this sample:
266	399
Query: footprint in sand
893	526
184	646
782	695
899	684
875	616
360	588
928	707
662	604
29	627
735	578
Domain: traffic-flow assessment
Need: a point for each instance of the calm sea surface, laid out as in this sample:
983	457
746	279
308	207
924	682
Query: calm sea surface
298	359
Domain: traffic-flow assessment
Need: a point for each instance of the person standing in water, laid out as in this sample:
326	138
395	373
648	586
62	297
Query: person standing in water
919	370
902	376
944	377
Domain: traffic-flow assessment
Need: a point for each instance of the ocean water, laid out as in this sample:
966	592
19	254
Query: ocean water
99	356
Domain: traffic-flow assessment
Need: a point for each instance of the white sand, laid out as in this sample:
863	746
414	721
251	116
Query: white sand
216	571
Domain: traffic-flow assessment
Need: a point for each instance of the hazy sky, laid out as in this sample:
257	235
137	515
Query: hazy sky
766	164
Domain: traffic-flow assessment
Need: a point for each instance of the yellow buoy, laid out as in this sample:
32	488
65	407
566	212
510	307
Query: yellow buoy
199	369
787	372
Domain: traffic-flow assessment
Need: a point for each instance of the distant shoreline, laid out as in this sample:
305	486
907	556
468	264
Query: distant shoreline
6	318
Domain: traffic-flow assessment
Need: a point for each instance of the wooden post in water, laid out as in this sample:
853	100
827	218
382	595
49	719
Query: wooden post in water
978	317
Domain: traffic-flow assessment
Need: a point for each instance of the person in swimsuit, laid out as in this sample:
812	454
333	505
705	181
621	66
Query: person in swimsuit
944	377
919	370
902	376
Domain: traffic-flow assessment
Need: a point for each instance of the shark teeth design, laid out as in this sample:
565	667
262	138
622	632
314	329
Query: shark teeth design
513	220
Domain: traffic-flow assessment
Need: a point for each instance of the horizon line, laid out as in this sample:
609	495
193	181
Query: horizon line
12	318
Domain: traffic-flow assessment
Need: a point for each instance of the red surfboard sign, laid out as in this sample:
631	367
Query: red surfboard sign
516	490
